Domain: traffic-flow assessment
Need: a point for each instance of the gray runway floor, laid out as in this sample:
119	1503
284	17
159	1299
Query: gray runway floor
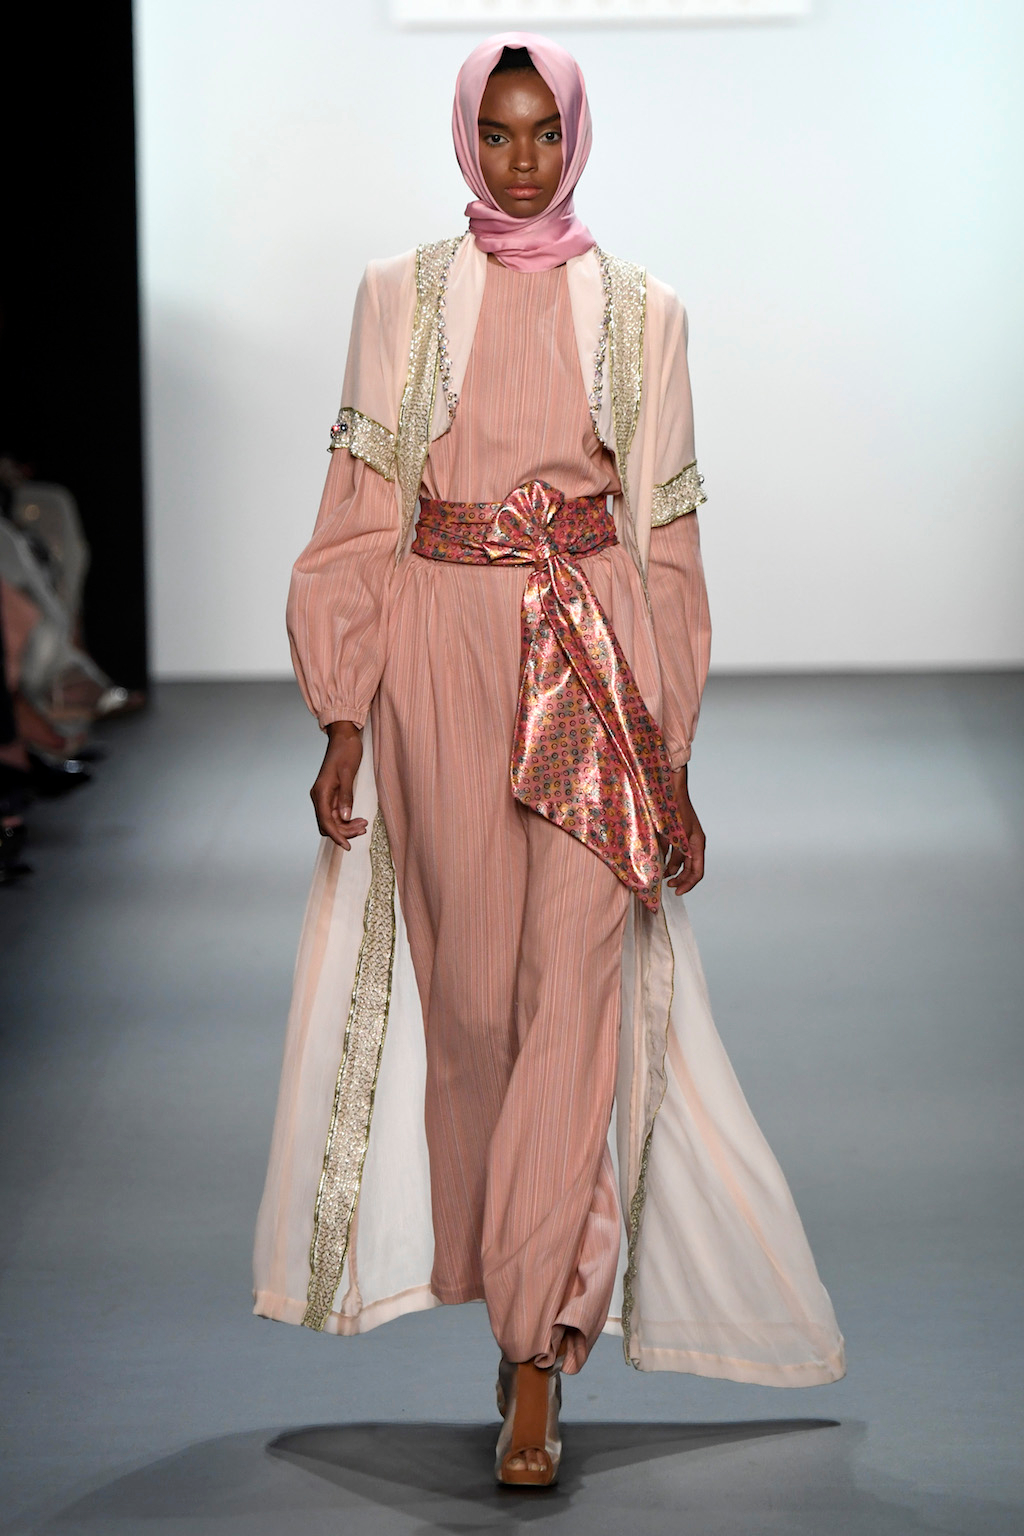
861	928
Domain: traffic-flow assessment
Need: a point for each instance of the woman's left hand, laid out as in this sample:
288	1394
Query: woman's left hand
683	870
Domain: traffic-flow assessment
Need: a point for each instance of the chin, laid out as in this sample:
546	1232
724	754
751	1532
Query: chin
519	212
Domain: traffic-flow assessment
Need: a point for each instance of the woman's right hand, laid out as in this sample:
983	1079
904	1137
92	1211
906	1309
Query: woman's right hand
332	793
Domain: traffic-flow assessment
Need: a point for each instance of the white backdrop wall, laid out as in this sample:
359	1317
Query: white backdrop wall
838	200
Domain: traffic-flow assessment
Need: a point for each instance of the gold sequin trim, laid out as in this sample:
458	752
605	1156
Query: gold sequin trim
596	397
626	305
427	357
639	1197
636	1207
677	497
349	1131
365	439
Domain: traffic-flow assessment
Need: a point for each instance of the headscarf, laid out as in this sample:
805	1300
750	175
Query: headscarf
551	237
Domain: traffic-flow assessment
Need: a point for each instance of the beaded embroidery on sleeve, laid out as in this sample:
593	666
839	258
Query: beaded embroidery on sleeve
677	497
365	439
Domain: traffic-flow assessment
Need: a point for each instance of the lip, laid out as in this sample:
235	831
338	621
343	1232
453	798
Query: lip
524	192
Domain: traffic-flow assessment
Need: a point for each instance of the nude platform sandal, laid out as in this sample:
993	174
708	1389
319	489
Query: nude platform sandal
528	1400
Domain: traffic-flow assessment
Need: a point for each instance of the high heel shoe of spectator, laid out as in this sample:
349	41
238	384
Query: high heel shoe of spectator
118	701
16	792
12	865
53	777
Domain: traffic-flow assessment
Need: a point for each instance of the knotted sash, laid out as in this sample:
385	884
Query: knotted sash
586	752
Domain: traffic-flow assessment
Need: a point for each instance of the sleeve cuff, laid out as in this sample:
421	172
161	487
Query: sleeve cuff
345	710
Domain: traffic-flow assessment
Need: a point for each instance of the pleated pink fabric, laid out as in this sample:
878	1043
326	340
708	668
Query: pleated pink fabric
515	927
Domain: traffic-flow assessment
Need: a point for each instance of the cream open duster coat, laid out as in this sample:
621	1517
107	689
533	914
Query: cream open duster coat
717	1275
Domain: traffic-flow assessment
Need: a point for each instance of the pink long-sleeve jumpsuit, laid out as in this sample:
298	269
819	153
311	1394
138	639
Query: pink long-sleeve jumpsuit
515	927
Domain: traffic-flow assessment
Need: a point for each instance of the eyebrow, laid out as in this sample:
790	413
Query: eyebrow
489	122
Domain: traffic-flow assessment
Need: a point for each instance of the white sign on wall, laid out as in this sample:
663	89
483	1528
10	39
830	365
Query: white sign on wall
490	13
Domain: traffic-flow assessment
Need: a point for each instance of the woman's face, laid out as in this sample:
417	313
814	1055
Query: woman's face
520	142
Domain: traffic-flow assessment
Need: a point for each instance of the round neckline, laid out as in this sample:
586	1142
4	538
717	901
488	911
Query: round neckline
500	266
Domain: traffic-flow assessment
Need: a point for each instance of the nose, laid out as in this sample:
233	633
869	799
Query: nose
524	157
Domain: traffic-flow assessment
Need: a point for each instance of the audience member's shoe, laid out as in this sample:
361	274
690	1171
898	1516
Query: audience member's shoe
118	701
12	866
51	779
16	790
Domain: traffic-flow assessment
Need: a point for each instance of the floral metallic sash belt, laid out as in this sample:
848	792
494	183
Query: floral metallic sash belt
586	752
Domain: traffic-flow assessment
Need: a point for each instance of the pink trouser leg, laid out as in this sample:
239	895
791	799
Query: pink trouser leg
516	932
551	1215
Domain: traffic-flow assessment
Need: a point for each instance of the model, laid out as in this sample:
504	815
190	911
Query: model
504	588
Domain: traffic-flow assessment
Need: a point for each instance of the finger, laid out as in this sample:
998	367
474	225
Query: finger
674	862
328	828
341	812
692	873
352	826
325	804
345	784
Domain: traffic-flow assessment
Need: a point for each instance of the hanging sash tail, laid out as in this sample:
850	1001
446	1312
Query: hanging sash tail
586	752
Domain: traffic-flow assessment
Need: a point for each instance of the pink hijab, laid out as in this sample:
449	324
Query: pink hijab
551	237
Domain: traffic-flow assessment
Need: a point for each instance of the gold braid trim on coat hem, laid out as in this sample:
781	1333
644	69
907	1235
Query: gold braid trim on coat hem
677	497
638	1198
365	439
349	1132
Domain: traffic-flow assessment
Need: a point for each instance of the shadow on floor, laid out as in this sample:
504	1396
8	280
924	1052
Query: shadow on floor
441	1460
770	1477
